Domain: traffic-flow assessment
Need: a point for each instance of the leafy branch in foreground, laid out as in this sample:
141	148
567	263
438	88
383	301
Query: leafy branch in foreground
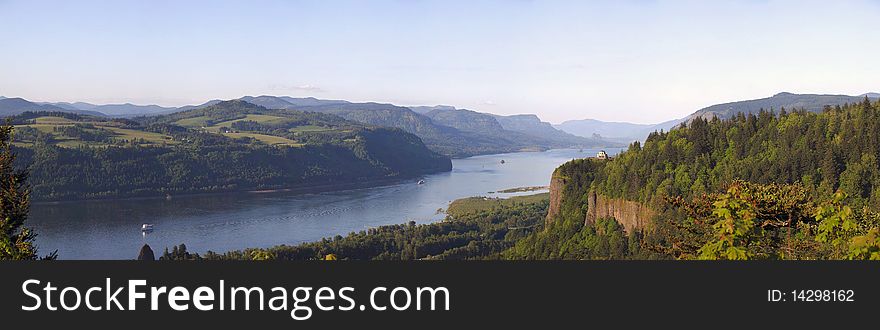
836	225
778	221
736	228
866	247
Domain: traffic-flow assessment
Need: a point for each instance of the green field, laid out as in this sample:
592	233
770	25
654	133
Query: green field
267	139
309	128
45	128
48	125
150	137
53	120
193	122
471	205
275	127
263	119
78	143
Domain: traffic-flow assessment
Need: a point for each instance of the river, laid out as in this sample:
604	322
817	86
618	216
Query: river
110	229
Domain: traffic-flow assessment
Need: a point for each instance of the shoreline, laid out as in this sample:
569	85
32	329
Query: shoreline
304	190
297	190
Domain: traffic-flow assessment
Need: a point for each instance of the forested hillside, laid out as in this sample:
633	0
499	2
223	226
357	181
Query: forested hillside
836	149
526	130
786	185
638	132
449	131
228	146
807	102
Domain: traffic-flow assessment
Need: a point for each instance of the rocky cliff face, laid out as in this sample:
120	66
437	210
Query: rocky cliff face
570	187
631	215
557	182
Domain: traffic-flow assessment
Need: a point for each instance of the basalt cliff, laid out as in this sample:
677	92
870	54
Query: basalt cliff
569	190
632	215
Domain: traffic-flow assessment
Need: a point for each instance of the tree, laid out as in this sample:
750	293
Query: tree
865	247
16	241
735	228
179	252
836	223
147	253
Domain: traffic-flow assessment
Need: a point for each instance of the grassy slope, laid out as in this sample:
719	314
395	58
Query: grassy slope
263	119
264	138
471	205
47	124
193	122
267	139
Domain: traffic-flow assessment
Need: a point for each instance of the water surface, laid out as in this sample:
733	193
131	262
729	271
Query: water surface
222	222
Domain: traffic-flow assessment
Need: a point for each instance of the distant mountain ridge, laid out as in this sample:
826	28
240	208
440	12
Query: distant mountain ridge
444	129
461	132
282	102
16	105
789	101
527	124
617	131
532	125
465	120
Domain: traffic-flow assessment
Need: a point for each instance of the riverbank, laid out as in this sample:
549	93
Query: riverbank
520	189
318	188
476	228
298	190
110	229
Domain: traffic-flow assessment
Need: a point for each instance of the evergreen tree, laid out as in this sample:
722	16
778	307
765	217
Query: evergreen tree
16	241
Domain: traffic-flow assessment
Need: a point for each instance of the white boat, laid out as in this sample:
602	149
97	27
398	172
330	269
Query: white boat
147	227
421	182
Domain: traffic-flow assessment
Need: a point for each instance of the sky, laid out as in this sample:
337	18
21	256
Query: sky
636	61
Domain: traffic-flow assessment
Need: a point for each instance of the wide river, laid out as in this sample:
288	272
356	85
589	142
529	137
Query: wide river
223	222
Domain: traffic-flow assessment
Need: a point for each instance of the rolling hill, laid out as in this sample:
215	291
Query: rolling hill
285	102
130	110
526	129
114	110
16	106
450	131
532	125
228	146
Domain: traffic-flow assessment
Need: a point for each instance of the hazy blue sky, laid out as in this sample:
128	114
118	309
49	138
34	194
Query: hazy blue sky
639	61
